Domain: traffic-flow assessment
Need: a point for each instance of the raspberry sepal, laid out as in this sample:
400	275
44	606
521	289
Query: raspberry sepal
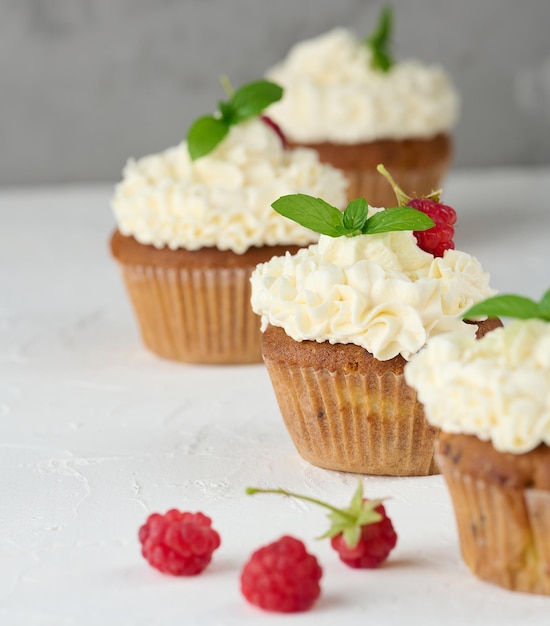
345	521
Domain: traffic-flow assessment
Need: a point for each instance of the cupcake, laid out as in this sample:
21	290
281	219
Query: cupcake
194	221
340	320
491	400
347	99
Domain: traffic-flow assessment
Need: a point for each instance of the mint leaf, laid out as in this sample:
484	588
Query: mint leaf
228	113
379	42
398	218
321	217
355	215
253	98
204	135
250	100
313	213
508	305
545	303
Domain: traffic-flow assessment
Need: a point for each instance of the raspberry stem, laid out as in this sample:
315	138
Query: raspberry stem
402	198
227	86
253	490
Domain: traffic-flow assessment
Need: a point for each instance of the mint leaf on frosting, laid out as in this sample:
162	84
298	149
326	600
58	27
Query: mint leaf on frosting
398	218
323	218
545	303
313	213
379	41
251	99
355	215
511	305
205	134
248	101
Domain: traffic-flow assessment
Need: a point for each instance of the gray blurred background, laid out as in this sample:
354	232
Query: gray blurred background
85	84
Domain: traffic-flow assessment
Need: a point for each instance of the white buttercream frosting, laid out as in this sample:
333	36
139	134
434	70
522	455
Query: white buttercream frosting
331	93
497	388
222	199
381	292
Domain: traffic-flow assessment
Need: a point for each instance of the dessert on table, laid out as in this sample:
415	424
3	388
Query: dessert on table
350	100
194	221
342	317
491	400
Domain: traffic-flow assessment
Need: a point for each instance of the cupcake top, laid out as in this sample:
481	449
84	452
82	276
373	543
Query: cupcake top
222	199
378	291
334	94
496	388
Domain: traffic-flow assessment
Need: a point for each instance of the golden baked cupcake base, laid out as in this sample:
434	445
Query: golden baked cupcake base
418	165
346	410
194	306
502	508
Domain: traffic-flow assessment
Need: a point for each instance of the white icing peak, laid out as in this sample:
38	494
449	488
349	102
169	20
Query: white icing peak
331	93
496	388
381	292
224	198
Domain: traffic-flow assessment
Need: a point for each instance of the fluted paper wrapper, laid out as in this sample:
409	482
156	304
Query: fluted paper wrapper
365	423
196	315
504	533
369	184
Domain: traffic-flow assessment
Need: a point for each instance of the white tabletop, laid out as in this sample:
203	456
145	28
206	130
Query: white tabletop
96	433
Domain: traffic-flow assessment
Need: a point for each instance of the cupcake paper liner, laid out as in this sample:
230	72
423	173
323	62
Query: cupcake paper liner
348	421
197	315
504	532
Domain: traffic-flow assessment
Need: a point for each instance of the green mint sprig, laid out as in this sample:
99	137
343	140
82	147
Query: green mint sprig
511	305
380	42
323	218
248	101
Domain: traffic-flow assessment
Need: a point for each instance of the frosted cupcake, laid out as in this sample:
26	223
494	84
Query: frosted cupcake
350	101
340	320
193	222
491	400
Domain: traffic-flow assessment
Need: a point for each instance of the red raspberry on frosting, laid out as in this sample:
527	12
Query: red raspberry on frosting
439	237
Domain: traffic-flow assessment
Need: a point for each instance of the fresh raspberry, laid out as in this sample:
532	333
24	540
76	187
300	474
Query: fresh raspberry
361	533
439	237
282	577
267	120
377	540
178	543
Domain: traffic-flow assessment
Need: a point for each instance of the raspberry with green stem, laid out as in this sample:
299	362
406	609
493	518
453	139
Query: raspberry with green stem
439	238
362	533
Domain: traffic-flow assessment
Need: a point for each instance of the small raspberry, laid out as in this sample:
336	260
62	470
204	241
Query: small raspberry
362	533
282	577
178	543
377	540
439	237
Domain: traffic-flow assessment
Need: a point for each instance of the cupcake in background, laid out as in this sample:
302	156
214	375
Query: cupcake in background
348	99
491	400
194	221
340	320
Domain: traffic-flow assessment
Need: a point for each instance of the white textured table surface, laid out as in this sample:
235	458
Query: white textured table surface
95	433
